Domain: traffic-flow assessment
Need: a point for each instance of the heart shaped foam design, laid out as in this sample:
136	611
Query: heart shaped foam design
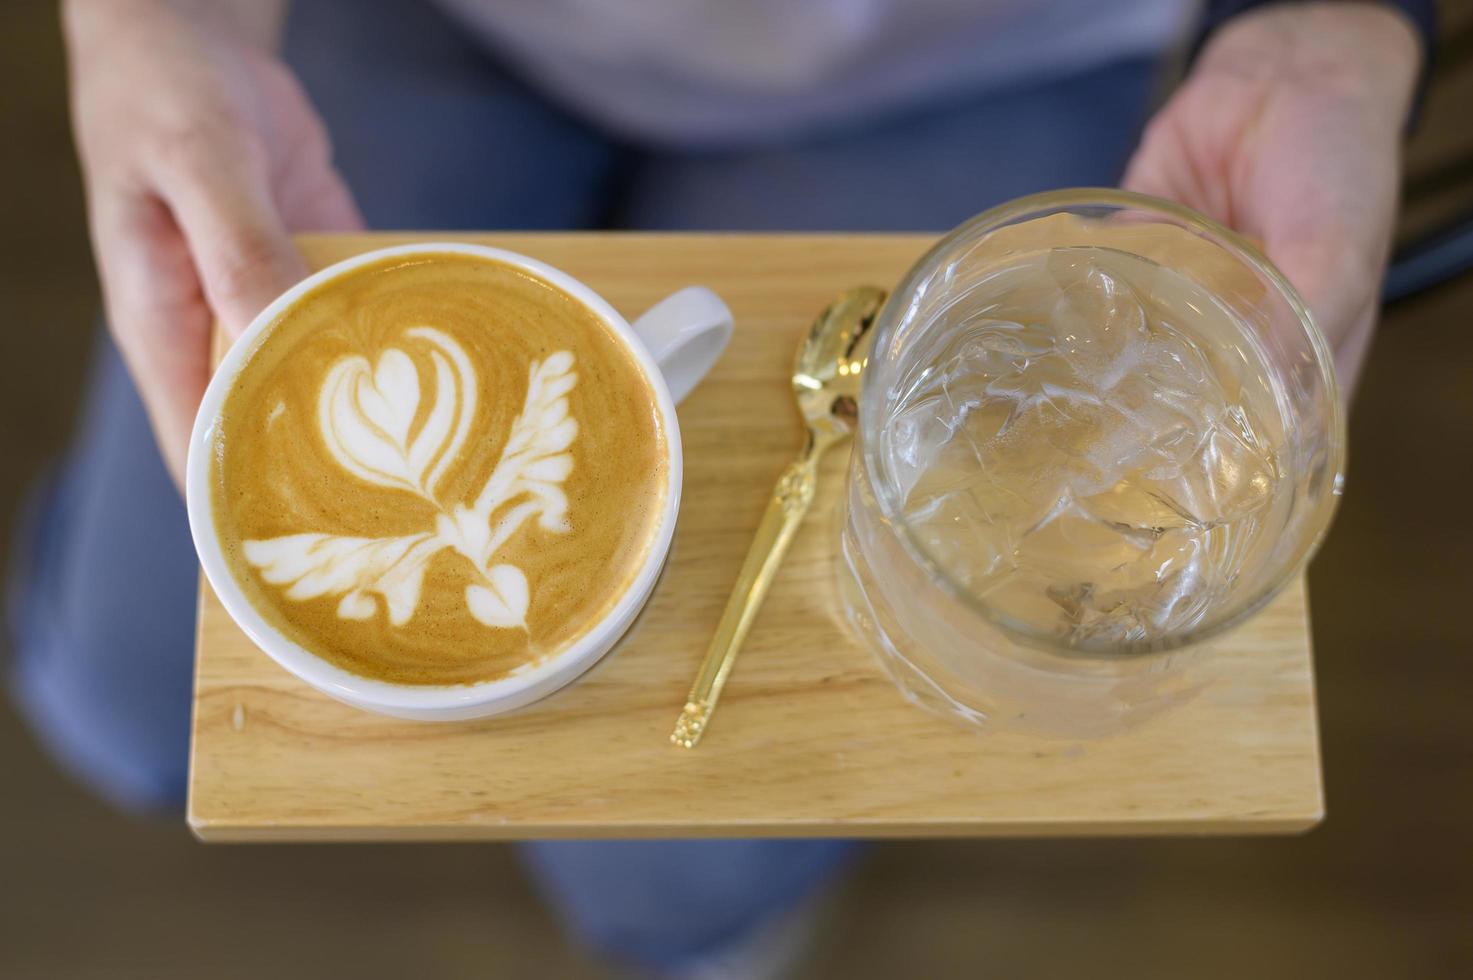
390	398
503	600
367	413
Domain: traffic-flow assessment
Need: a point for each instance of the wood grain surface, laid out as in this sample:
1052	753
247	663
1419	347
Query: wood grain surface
811	738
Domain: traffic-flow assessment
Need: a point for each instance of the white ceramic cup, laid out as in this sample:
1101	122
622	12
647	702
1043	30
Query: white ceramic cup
675	343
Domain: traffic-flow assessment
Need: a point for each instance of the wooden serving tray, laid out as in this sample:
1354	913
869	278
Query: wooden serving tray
811	738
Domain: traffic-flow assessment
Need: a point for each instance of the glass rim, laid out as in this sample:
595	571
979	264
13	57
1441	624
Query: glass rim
1239	247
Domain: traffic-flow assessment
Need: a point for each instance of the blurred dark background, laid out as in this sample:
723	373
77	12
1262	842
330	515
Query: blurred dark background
1383	890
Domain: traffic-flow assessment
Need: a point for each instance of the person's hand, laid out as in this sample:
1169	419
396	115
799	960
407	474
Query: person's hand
1288	130
200	154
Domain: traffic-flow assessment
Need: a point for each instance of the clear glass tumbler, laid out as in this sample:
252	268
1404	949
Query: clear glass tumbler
1096	430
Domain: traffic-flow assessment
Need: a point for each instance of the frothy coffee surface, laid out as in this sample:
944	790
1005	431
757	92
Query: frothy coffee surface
437	469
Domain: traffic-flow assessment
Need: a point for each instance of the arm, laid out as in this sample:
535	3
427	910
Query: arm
200	155
1288	129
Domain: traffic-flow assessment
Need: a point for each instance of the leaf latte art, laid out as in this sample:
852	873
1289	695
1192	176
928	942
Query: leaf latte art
438	472
366	414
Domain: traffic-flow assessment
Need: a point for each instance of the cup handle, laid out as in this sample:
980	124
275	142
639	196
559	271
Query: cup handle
685	333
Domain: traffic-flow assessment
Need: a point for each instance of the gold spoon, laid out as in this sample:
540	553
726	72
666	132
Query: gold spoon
826	373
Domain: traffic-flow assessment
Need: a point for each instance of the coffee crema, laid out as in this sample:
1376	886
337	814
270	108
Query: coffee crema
437	469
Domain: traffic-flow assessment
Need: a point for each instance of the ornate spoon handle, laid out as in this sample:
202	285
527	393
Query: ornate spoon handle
791	498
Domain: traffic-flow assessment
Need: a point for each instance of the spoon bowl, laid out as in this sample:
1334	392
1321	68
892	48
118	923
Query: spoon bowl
830	361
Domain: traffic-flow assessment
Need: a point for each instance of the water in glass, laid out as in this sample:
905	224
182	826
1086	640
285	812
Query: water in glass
1086	441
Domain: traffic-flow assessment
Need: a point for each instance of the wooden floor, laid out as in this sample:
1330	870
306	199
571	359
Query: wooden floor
1383	890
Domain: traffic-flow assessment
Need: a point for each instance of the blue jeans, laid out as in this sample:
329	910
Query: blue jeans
432	133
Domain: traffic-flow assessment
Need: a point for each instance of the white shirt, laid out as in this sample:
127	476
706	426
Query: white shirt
711	72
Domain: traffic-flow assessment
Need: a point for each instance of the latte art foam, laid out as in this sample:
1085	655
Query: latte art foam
438	470
366	418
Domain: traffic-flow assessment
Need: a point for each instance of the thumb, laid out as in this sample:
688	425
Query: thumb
1335	279
1145	174
221	199
1341	287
